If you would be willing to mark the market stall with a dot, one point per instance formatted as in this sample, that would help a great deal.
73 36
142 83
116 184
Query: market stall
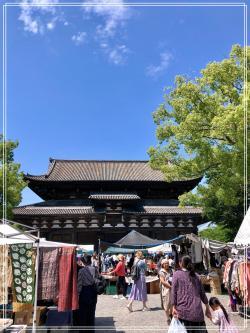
132 242
239 284
41 270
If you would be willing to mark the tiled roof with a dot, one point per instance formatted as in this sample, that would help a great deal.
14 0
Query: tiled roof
114 196
162 210
87 170
32 210
54 211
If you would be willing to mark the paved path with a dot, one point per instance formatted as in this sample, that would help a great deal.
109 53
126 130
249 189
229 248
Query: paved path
113 316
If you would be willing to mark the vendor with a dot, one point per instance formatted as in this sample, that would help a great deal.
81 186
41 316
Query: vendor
165 287
120 272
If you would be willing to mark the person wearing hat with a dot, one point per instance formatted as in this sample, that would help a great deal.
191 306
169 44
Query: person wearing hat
139 288
120 273
165 275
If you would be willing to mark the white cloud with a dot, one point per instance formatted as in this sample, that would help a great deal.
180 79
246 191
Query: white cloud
51 25
113 12
112 15
31 11
155 71
79 38
118 54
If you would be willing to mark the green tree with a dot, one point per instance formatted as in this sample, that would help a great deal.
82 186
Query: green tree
218 232
14 178
200 132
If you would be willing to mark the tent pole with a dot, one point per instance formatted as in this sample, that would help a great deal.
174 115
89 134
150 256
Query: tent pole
17 223
99 256
36 283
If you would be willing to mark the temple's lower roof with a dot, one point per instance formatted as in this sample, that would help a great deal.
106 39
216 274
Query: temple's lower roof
32 210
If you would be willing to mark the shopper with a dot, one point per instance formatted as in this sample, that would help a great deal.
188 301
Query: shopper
187 295
165 287
131 262
121 273
87 294
220 317
139 288
94 260
160 257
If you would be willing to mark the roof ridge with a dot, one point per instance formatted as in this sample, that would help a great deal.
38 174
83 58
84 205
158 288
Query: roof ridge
84 160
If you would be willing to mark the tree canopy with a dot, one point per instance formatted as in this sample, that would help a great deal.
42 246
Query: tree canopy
200 132
14 178
218 232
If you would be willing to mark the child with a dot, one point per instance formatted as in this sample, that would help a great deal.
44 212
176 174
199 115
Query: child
221 318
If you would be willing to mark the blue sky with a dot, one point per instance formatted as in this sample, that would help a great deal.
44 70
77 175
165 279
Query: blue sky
83 81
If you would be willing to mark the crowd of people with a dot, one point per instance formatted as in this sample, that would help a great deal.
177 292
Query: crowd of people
181 290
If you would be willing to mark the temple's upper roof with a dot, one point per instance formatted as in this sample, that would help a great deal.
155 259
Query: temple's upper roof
132 180
98 170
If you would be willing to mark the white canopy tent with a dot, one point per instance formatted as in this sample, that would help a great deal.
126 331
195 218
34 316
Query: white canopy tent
10 234
243 236
166 247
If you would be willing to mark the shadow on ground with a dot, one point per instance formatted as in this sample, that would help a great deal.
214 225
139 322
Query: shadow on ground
106 324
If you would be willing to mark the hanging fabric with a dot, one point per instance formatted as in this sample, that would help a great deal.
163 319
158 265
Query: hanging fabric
48 274
3 274
206 255
23 272
68 296
196 252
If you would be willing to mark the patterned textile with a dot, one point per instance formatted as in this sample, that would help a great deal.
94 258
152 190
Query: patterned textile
244 277
10 274
234 277
68 296
226 273
23 272
3 274
48 273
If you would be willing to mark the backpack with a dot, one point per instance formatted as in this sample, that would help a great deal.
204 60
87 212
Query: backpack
100 285
135 274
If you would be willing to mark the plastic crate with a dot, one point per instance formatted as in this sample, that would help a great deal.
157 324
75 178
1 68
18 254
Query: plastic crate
111 290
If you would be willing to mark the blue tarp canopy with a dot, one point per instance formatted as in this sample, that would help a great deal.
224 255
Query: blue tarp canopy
117 250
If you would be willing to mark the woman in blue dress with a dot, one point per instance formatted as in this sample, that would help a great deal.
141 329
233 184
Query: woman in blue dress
139 288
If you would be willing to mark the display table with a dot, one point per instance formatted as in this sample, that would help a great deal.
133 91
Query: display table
5 323
151 281
16 329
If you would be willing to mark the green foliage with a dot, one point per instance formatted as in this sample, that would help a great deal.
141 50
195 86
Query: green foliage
219 233
200 130
14 178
